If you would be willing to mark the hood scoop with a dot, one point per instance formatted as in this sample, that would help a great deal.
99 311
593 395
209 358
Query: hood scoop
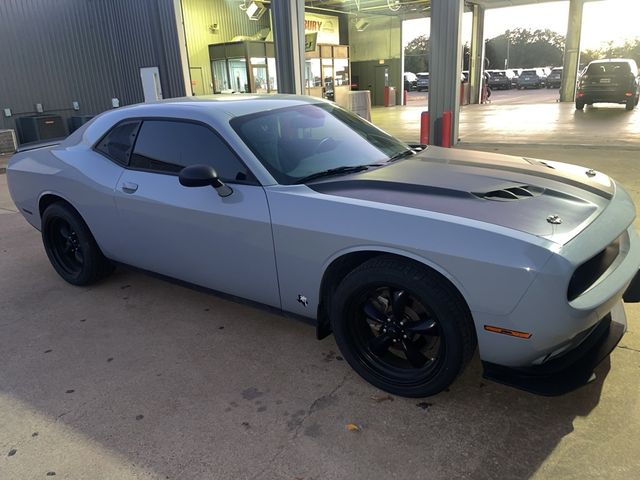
516 192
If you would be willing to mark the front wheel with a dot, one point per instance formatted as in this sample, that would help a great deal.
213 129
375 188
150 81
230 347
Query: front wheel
71 248
402 327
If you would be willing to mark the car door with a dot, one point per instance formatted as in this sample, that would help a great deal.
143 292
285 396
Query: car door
192 233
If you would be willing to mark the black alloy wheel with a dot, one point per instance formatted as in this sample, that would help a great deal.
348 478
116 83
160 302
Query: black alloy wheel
70 246
394 333
65 246
402 326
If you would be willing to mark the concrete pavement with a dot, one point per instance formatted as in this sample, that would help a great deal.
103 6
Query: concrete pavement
137 378
532 124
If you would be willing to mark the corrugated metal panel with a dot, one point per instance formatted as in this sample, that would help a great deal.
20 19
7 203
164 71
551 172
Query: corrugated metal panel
88 51
199 15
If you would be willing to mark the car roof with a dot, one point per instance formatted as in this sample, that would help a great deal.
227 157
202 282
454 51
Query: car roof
610 60
224 105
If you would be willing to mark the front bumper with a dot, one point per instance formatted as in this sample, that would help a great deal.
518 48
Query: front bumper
570 370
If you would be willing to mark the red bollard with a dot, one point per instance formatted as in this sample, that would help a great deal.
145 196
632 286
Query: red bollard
446 130
424 128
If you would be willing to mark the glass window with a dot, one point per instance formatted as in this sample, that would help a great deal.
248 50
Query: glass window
295 142
168 146
609 68
118 142
341 66
220 76
312 72
273 80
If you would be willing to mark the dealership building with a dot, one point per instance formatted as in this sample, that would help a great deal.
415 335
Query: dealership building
63 61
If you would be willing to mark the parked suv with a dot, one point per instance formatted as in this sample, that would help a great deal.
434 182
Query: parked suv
423 81
531 78
498 79
410 80
613 80
554 80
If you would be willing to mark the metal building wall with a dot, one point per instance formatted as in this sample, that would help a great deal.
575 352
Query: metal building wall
55 52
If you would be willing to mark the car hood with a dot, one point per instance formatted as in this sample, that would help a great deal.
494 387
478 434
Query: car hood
543 198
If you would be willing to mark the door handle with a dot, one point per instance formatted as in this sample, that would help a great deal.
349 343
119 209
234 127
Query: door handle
128 187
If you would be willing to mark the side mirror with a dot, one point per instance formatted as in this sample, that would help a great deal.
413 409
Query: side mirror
203 176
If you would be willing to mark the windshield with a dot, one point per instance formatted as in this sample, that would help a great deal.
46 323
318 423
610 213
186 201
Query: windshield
296 142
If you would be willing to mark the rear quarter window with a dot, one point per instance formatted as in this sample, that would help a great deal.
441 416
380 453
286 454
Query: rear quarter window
117 144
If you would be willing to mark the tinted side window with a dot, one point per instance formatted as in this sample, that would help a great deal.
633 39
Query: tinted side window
167 147
118 142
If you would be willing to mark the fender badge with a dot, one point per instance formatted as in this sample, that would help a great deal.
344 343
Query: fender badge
303 300
554 219
590 173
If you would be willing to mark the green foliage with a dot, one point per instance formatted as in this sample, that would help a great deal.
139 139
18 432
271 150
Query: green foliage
629 49
416 55
525 48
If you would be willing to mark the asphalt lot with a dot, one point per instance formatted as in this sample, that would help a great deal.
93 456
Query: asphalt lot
136 378
498 97
516 121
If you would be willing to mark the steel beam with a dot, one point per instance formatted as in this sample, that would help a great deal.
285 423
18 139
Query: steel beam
288 36
476 63
445 66
571 62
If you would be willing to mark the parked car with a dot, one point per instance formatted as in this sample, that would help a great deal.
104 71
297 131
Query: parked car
531 78
498 80
465 76
554 80
513 75
410 81
411 256
613 80
422 82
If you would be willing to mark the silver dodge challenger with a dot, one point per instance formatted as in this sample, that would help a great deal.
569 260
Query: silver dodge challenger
412 256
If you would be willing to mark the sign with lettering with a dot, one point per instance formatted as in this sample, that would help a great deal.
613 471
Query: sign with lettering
326 26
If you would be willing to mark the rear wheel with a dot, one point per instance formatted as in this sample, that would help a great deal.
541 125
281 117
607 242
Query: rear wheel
631 104
71 248
579 104
402 327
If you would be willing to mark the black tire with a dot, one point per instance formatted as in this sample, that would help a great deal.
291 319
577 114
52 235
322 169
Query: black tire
579 104
71 248
631 104
417 334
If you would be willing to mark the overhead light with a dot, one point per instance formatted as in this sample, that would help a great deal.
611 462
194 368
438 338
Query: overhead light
361 25
255 10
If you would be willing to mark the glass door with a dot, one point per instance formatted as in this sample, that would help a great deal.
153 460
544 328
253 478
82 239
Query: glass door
220 76
327 78
238 73
259 72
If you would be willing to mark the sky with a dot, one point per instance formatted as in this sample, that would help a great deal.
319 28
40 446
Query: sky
602 21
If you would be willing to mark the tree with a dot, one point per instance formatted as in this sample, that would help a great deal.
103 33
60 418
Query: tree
416 55
525 48
629 49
